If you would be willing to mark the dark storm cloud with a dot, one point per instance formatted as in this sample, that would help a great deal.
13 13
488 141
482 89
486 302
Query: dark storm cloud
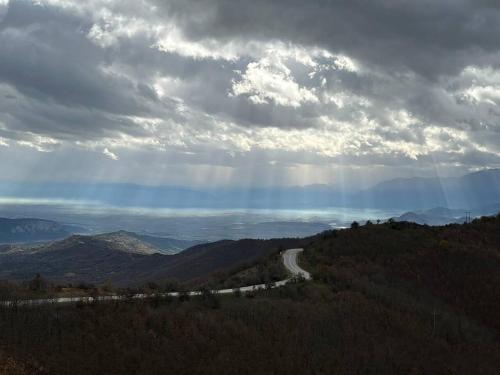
45 54
61 79
415 44
427 37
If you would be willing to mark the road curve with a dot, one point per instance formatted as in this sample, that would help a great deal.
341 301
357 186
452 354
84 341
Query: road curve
289 260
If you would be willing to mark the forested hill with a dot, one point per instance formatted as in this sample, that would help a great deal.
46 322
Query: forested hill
457 266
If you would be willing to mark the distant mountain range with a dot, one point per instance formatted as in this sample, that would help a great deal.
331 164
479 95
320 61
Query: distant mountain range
31 230
443 215
125 260
433 217
472 190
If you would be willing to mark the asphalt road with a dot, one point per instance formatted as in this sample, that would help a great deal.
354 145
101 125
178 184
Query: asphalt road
289 260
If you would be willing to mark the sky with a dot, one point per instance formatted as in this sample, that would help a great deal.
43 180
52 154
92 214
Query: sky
248 93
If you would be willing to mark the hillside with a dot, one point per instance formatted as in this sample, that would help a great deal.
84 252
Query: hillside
126 261
394 298
454 267
125 242
164 245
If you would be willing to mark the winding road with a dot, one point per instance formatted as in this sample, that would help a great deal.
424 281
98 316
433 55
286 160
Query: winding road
289 260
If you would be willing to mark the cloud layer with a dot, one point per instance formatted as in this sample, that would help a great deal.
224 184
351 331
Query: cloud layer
239 92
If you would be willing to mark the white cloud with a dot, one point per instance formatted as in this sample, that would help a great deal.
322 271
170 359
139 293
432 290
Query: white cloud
479 85
171 39
269 79
486 94
39 143
110 154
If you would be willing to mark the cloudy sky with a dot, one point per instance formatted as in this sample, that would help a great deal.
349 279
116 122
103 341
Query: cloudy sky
238 92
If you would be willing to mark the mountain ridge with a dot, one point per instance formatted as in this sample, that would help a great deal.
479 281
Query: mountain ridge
470 190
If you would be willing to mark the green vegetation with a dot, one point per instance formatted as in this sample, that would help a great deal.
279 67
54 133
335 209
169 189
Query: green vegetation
394 298
263 271
458 265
